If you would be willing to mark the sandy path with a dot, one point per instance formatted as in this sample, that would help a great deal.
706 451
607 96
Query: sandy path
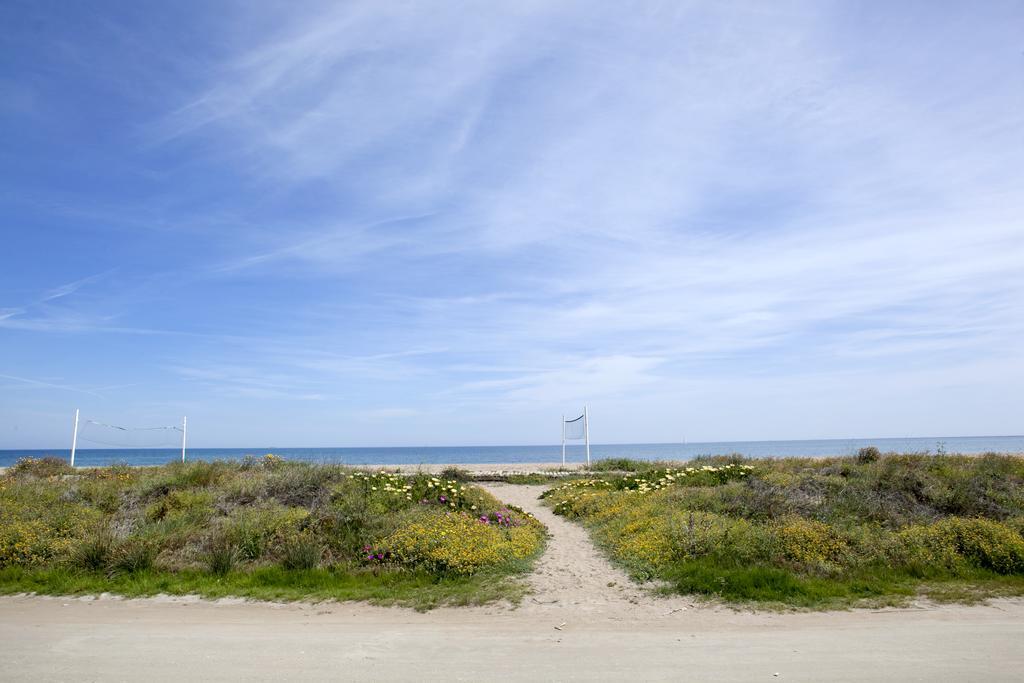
46 639
573 574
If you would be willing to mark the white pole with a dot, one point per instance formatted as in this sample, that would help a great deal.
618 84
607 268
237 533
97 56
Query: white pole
74 439
586 433
563 440
184 427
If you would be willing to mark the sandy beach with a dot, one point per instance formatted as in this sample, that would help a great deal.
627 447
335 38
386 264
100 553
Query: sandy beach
496 469
499 468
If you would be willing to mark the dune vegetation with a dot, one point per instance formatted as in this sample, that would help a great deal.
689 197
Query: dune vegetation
871 529
261 528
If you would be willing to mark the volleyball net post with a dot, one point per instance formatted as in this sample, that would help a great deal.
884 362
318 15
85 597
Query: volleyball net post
563 444
74 439
586 432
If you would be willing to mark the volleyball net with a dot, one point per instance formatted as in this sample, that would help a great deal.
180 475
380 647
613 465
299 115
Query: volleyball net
109 435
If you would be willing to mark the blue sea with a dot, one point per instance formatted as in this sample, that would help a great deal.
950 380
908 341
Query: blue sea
516 454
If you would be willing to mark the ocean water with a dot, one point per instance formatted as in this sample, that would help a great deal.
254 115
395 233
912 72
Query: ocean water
514 454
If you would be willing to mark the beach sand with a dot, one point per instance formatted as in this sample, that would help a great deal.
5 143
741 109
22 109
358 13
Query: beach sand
61 639
475 468
500 468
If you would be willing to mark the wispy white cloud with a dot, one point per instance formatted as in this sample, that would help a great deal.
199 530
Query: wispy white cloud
70 287
542 204
657 187
51 385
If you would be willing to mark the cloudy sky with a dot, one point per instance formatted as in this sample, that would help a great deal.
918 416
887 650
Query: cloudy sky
404 223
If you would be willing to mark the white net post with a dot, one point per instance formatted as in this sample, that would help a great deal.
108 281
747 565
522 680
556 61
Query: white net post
184 428
74 439
586 433
563 439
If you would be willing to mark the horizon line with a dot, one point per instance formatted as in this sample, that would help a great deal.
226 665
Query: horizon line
555 445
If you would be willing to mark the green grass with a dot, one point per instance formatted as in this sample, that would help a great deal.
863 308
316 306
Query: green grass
814 533
533 478
418 589
623 465
614 465
772 587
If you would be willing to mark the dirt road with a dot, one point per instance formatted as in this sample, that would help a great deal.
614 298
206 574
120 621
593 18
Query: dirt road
575 627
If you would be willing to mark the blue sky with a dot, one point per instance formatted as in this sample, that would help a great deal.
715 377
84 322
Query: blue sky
382 223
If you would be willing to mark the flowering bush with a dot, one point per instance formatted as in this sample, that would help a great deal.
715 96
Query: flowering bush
37 523
577 490
30 542
953 542
390 491
809 542
41 467
461 544
376 555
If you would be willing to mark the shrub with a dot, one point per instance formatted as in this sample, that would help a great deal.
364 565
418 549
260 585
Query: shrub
301 551
196 504
456 474
48 466
531 478
346 529
29 542
810 542
271 461
645 483
868 454
1017 524
460 544
199 474
133 555
951 543
619 465
985 543
245 489
252 529
93 553
300 485
698 534
221 555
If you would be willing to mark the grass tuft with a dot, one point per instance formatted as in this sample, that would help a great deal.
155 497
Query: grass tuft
93 553
221 556
302 551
